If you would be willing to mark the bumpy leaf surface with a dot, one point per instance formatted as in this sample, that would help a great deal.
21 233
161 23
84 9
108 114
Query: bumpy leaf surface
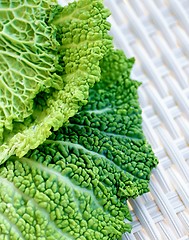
76 185
81 31
26 57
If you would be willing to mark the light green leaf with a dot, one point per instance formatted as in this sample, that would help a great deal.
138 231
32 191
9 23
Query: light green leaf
81 30
27 59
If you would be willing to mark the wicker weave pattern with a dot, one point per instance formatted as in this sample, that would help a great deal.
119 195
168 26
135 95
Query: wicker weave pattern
156 33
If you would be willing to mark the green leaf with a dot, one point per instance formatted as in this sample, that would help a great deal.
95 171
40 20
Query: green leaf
76 185
27 59
81 31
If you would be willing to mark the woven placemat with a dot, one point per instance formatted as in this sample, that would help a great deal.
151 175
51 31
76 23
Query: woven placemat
156 33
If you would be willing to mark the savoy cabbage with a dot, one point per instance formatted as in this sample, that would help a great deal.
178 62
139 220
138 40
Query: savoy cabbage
75 185
49 59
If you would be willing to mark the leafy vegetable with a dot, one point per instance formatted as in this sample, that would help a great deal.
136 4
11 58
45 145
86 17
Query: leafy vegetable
76 184
49 59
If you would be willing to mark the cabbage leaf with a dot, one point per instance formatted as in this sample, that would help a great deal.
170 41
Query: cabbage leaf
49 60
77 183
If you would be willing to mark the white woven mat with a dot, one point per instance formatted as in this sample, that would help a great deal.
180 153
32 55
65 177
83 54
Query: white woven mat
156 33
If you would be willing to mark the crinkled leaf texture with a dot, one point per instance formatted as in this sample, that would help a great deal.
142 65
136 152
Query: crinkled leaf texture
77 183
26 56
49 60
